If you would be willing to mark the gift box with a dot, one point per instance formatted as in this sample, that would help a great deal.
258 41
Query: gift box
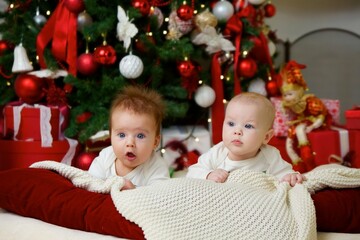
353 118
34 123
282 116
327 145
354 139
21 154
184 143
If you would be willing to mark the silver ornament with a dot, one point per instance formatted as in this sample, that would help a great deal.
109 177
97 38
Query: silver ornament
223 10
83 20
39 19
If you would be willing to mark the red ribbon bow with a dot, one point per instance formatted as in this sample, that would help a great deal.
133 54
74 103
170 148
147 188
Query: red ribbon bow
61 28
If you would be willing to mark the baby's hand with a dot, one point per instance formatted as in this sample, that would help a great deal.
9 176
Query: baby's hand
128 185
293 178
218 175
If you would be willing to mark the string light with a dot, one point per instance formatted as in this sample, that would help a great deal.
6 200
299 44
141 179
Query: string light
163 150
222 77
200 82
48 12
165 32
209 120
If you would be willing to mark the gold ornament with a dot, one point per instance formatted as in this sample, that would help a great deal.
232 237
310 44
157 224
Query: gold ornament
204 19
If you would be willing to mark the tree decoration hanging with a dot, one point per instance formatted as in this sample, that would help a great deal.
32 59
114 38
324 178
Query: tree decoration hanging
21 60
223 10
39 19
204 96
270 10
105 54
142 5
131 66
204 19
177 27
75 6
125 29
185 12
214 42
83 20
30 88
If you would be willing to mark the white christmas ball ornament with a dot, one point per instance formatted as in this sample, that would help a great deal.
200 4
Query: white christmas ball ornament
131 66
256 2
258 86
204 96
223 10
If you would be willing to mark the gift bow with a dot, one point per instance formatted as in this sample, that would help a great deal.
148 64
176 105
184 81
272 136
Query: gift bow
61 28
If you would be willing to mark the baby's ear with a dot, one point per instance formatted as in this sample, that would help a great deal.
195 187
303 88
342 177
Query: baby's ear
268 136
157 141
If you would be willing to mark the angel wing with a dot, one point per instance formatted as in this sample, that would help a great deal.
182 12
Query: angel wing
125 29
215 42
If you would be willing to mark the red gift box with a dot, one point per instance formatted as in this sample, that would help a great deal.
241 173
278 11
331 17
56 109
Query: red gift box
30 124
354 139
324 143
21 154
353 118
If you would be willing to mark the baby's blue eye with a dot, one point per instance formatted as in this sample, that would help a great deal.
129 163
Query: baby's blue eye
231 124
249 126
141 135
121 135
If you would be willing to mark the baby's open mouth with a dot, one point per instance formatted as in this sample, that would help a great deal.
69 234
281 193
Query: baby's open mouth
130 155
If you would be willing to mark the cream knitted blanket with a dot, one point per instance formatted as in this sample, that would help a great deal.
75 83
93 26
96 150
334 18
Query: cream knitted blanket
250 205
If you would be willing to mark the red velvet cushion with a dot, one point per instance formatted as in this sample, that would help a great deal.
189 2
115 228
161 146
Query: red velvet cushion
46 195
338 210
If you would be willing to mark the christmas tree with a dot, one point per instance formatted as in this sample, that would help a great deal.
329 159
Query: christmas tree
79 53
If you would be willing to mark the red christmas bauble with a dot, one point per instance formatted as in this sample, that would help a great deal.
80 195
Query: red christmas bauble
270 10
84 160
83 117
105 55
247 68
29 88
86 64
272 88
5 46
186 68
75 6
142 5
185 12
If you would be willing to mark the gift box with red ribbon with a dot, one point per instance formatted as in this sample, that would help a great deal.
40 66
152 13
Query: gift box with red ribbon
34 122
328 146
282 116
21 154
353 118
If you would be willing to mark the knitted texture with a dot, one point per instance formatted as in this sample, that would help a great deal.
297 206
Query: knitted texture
250 205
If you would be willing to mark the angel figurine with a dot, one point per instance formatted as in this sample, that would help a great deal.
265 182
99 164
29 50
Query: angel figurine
309 111
125 28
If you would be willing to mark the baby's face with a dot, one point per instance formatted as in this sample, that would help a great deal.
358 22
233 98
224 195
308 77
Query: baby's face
133 137
245 129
